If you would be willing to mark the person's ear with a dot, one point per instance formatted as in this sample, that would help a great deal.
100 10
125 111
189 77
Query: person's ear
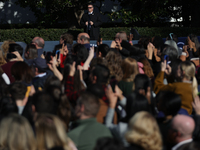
82 41
33 108
99 54
36 69
94 79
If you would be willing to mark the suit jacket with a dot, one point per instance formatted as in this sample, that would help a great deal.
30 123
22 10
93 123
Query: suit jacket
95 28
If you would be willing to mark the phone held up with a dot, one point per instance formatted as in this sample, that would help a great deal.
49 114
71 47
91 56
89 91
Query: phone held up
166 57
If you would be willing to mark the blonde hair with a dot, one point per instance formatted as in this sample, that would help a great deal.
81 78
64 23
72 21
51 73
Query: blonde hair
2 59
16 133
189 73
144 131
50 132
130 69
5 47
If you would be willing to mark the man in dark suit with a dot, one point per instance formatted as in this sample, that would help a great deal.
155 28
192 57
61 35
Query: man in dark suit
91 22
182 128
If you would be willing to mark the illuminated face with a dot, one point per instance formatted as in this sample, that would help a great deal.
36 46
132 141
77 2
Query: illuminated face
90 8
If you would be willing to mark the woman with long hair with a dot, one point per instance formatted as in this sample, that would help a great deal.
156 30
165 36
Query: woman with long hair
50 133
147 68
143 132
114 60
186 88
23 73
2 59
16 133
130 70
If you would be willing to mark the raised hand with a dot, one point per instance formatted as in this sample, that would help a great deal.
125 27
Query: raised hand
112 97
196 105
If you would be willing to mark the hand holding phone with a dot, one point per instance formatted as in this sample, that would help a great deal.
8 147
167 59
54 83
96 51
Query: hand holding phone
166 57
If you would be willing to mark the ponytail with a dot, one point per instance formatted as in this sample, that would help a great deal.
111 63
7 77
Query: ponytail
194 86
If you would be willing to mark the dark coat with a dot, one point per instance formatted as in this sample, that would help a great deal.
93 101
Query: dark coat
95 28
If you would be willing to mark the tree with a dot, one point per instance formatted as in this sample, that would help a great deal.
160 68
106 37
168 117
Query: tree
151 12
50 12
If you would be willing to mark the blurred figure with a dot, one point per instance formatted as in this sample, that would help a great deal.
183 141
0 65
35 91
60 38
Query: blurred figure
143 127
50 133
16 133
39 43
87 130
91 22
182 128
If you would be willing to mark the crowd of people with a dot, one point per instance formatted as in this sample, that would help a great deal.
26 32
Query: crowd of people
120 96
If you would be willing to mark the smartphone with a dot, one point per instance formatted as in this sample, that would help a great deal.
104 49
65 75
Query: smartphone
48 57
11 56
58 54
166 57
65 42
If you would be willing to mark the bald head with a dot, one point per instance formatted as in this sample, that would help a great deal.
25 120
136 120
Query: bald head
183 124
123 35
83 38
38 42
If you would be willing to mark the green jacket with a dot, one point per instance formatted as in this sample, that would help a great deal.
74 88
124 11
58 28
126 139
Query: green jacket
86 134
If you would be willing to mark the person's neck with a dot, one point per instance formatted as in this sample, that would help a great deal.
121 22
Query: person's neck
19 102
83 117
186 80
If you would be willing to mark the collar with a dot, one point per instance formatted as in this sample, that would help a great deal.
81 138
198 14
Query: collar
87 46
181 143
90 13
41 75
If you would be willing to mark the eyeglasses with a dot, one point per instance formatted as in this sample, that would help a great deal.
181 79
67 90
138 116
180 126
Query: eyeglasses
90 7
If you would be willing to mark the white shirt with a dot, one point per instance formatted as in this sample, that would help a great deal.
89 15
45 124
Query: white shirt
41 75
181 143
6 79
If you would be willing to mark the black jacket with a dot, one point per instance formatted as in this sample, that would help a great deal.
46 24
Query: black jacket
95 28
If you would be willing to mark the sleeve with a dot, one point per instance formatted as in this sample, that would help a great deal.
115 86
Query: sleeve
109 118
69 89
124 52
98 21
123 102
112 127
159 85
